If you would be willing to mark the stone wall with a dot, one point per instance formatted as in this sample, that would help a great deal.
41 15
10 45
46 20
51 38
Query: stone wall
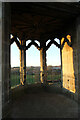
5 59
0 60
78 47
70 66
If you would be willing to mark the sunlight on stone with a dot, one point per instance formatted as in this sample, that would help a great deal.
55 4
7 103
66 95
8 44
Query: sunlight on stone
11 36
67 66
68 37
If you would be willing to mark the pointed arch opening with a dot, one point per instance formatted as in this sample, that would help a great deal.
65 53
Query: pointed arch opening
37 42
32 65
54 63
15 66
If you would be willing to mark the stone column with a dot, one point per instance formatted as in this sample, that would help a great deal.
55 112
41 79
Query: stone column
61 62
43 65
23 63
4 59
67 67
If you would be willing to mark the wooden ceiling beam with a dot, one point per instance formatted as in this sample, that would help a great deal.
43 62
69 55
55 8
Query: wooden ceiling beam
39 7
42 20
43 9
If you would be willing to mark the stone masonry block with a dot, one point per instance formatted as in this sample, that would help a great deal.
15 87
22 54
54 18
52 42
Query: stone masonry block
0 60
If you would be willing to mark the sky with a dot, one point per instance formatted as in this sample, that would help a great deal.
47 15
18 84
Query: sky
33 55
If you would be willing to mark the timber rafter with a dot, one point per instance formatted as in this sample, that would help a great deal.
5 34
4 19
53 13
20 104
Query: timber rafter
42 20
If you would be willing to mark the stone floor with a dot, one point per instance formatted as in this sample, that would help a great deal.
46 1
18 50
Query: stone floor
35 101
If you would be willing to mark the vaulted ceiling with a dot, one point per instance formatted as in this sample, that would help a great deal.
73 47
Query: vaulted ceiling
42 21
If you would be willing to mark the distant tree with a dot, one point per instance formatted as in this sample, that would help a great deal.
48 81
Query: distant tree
49 67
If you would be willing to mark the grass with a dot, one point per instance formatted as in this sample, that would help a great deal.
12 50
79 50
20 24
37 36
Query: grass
31 79
15 80
53 77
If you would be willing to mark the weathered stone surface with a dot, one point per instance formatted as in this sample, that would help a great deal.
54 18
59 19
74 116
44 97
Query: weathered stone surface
78 46
0 60
71 61
43 65
5 59
22 63
67 68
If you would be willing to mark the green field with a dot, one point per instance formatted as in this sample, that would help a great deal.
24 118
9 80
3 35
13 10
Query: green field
15 80
31 79
53 77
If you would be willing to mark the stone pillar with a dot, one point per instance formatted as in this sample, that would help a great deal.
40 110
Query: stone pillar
4 59
67 67
61 63
43 65
22 63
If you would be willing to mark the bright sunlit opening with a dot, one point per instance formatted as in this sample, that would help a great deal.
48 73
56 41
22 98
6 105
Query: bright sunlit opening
15 56
37 42
47 42
11 36
53 56
27 42
57 40
32 56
